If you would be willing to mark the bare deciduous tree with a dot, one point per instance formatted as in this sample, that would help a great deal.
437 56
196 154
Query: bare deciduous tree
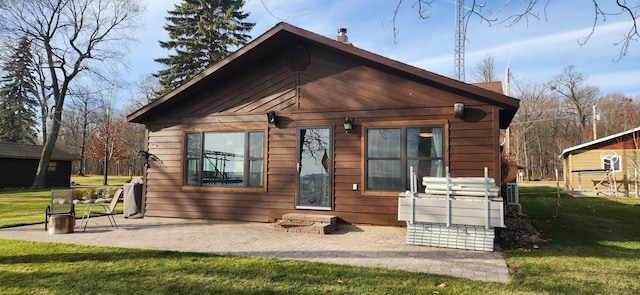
617 113
525 126
72 35
485 70
559 114
148 88
80 116
580 98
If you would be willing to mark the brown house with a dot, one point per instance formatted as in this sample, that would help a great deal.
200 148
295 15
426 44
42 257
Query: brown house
19 163
297 122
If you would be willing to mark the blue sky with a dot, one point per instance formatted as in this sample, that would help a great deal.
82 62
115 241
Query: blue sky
535 50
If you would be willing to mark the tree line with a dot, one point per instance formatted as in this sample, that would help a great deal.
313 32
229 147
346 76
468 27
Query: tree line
561 113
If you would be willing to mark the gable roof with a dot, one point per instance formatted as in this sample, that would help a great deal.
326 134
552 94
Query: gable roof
285 35
14 150
566 151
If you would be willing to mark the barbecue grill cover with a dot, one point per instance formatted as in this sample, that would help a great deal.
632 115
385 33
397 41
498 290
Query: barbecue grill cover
133 197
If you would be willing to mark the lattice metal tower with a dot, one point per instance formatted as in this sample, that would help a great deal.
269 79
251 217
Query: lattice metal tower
460 37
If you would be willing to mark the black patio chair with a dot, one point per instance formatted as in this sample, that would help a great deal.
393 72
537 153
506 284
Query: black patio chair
61 204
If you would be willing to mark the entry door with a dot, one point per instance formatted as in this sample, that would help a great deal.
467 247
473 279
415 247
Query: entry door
314 165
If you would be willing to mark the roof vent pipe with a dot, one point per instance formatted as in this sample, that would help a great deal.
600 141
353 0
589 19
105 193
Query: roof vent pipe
342 35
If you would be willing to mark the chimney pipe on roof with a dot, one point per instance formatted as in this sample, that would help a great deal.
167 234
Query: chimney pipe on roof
342 35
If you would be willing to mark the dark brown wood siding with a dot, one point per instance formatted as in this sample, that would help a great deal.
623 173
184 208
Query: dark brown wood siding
15 173
331 88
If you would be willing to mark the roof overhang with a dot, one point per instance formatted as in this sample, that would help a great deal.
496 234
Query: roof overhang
567 151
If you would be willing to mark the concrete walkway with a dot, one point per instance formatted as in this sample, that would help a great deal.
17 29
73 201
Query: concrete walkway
370 246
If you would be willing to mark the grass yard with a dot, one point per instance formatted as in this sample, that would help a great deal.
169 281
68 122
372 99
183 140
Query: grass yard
23 207
98 180
41 268
27 206
593 247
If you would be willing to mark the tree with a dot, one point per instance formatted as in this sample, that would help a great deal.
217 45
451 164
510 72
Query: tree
80 116
106 142
526 125
17 97
617 113
73 36
202 32
549 121
148 88
44 95
579 98
485 70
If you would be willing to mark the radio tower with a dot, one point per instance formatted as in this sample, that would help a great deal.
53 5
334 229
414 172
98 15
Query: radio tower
458 58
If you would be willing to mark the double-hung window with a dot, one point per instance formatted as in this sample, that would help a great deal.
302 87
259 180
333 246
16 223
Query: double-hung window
224 159
390 152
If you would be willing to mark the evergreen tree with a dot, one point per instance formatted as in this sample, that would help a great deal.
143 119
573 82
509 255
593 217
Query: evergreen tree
201 32
18 97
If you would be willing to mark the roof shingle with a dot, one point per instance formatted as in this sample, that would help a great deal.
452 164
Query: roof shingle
31 151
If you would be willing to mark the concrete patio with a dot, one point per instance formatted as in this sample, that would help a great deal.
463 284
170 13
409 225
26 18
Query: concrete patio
369 246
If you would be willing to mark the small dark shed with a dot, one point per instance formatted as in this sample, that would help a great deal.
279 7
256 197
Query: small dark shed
19 162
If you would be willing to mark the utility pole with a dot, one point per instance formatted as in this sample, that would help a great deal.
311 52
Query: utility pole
460 38
507 135
595 118
106 146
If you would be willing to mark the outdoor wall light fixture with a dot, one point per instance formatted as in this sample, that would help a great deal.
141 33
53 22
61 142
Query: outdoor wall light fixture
272 119
348 124
458 110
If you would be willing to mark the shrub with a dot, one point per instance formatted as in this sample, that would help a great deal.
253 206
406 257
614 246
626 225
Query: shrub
91 192
77 194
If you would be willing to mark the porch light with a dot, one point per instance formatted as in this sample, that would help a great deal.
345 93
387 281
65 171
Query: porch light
458 110
272 119
348 124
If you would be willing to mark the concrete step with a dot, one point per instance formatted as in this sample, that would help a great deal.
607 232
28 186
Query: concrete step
307 223
310 217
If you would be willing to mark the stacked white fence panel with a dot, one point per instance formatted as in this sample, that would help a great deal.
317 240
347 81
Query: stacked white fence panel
463 211
456 213
465 237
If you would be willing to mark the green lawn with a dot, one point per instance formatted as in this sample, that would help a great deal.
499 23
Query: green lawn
594 245
98 180
593 248
28 206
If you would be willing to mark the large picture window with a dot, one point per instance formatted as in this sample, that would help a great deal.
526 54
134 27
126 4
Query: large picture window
224 159
390 152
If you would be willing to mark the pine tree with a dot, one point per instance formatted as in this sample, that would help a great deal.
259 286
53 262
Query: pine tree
18 97
202 32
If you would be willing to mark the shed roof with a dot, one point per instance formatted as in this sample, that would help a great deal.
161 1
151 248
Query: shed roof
14 150
589 144
284 35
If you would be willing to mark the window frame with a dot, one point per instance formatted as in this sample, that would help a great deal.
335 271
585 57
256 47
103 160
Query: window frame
53 166
403 125
614 163
247 159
